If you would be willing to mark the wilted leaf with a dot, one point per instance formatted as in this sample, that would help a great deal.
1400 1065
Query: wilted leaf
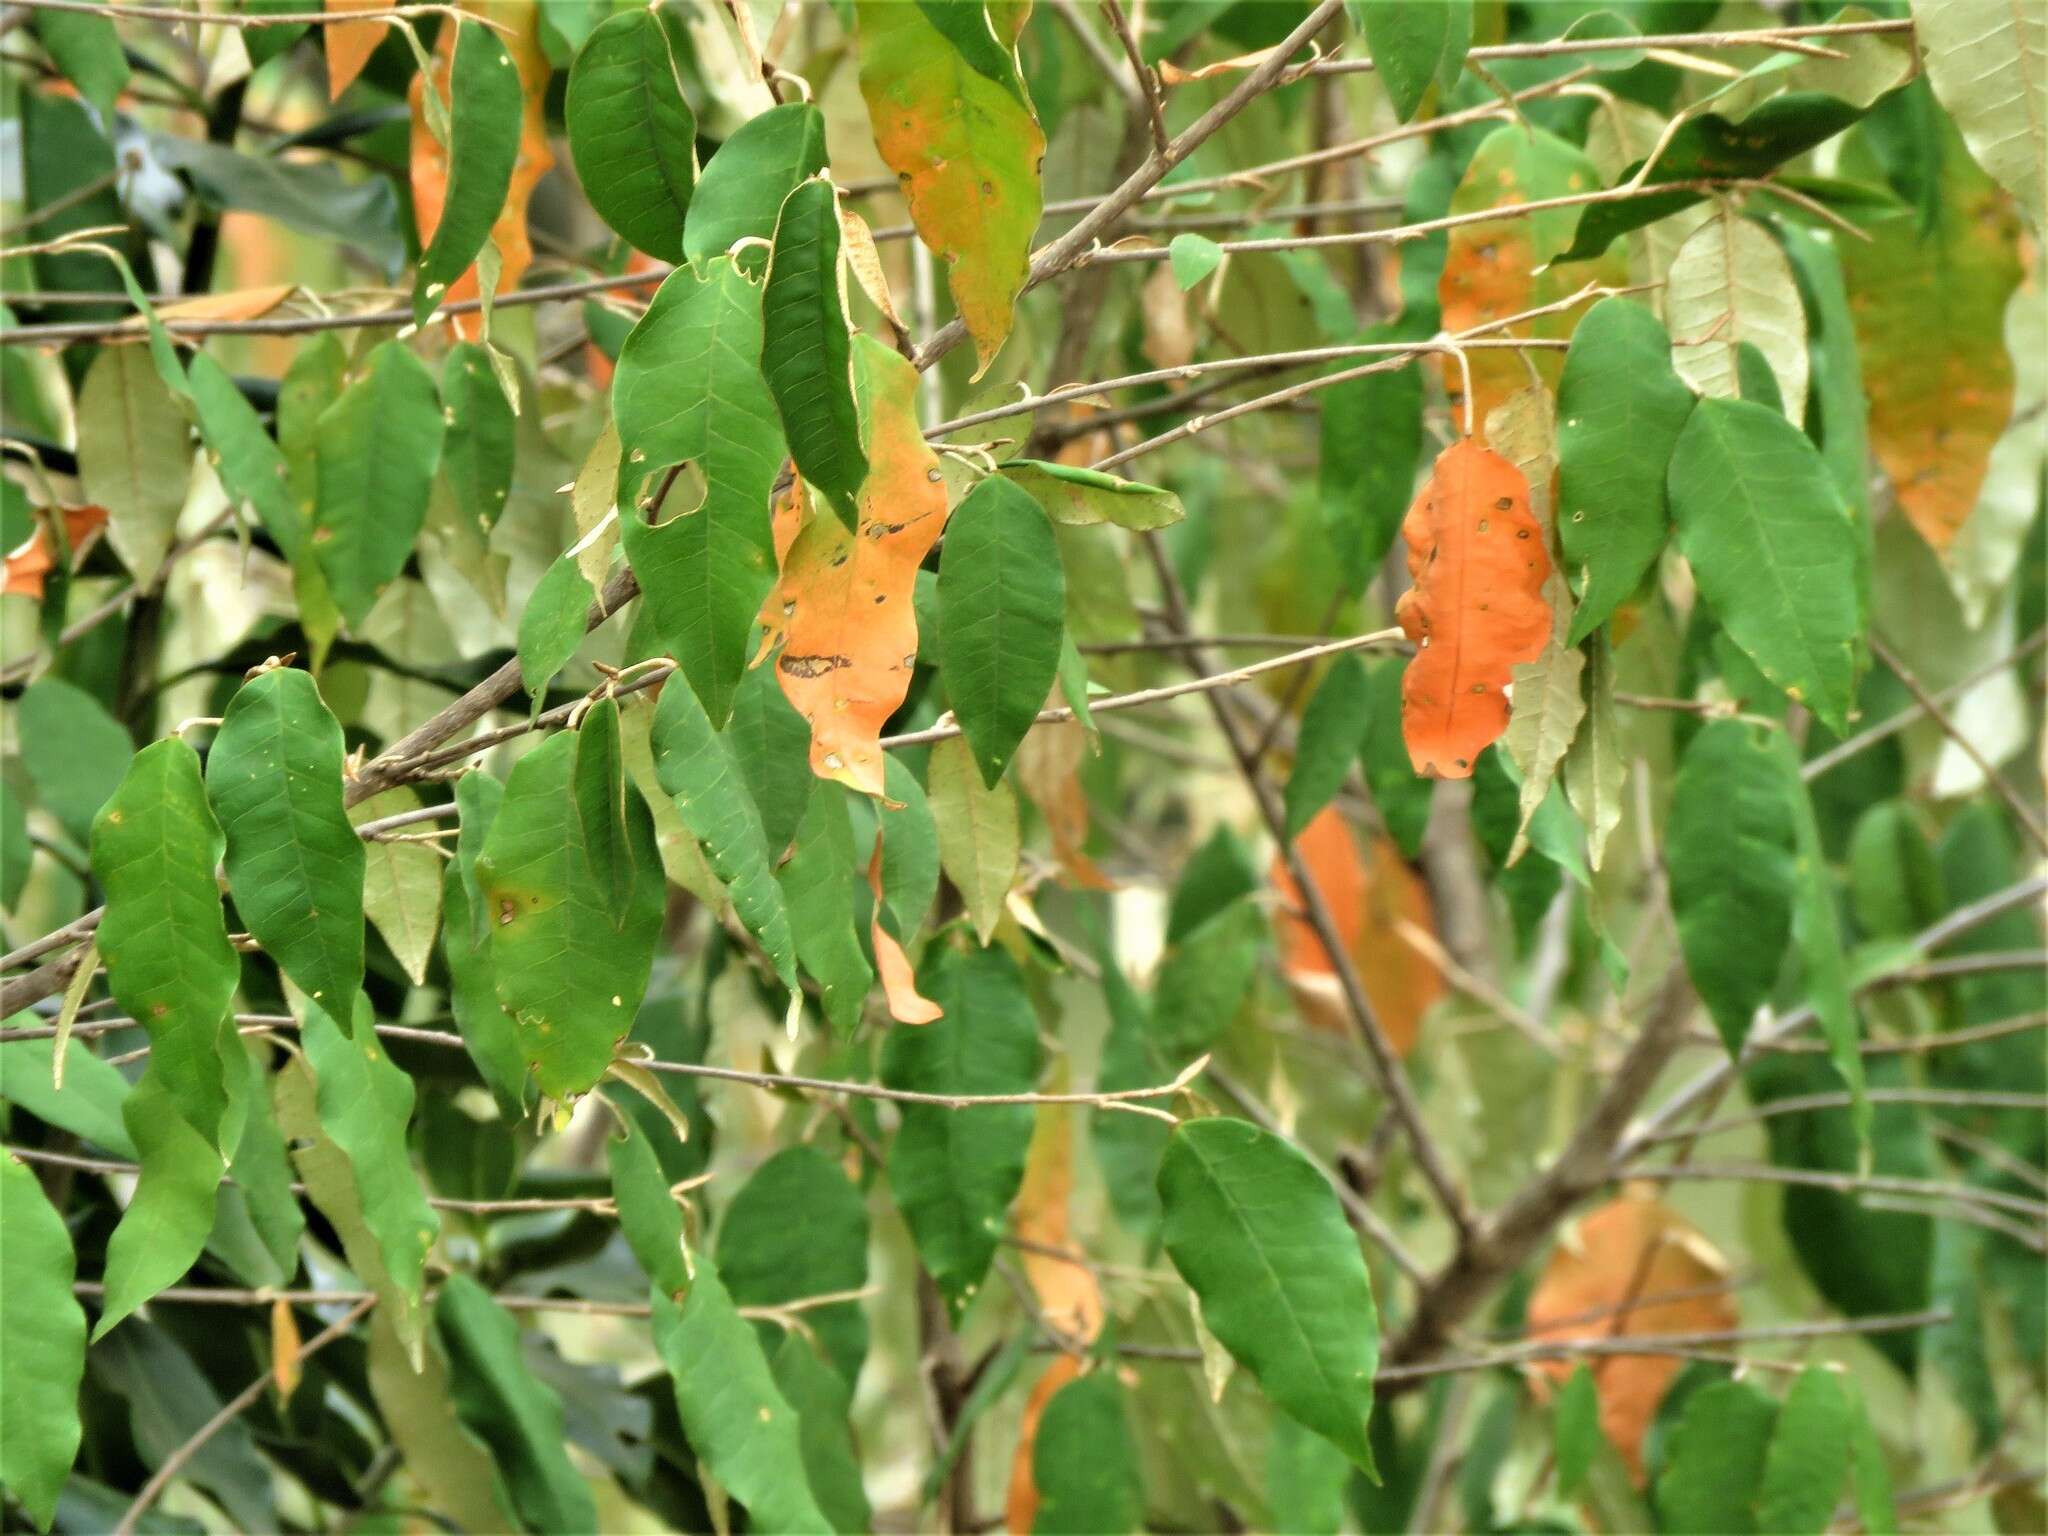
1730 283
1476 611
350 43
1068 1296
977 827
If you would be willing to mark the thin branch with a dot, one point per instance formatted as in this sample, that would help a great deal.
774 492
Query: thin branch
1841 752
1848 1184
1952 1098
1786 39
1147 77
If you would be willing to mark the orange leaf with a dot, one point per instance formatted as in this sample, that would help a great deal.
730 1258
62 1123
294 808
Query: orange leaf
241 304
1370 897
841 612
1067 1293
350 43
30 562
899 979
520 22
284 1349
1476 611
1631 1267
1020 1511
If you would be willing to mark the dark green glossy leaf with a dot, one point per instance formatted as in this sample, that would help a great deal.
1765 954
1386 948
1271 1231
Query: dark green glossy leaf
1002 606
807 353
164 937
744 184
1370 441
483 437
1257 1232
485 106
294 864
1620 408
378 447
955 1173
631 132
42 1335
689 387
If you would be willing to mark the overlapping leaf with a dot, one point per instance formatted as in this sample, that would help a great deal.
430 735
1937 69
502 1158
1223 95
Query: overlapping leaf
806 352
483 143
1730 283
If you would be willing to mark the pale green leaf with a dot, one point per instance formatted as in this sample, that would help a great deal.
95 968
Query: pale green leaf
42 1337
134 455
1730 283
401 884
1988 62
978 836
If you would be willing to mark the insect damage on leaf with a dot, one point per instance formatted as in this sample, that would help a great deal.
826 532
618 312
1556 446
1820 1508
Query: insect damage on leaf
1476 611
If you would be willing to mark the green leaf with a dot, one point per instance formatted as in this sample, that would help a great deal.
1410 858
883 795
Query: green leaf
294 864
744 184
1128 1147
164 936
1870 1477
482 444
1306 1477
365 1101
377 448
771 743
817 882
1728 285
161 1233
954 1173
486 103
134 456
978 836
1711 1478
1193 257
250 465
1773 548
1332 735
1370 441
1402 795
1578 1429
603 800
89 1103
768 1260
75 752
696 767
743 1431
910 847
511 1410
312 197
689 387
1416 44
1075 497
831 1459
42 1336
649 1216
88 50
1084 1461
1258 1234
1620 409
570 976
1730 851
401 885
260 1171
1808 1456
552 626
488 1033
417 1401
633 136
1988 63
1204 979
806 352
1002 605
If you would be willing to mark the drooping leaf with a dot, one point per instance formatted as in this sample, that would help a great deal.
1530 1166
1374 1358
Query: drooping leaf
977 828
1333 731
806 352
510 1409
954 1174
842 614
1076 497
958 131
1772 547
483 143
1002 607
1713 1473
697 768
1416 44
1928 298
164 937
1477 555
294 864
379 444
1620 409
1490 272
744 184
1988 62
1257 1232
569 975
767 1260
632 133
162 1231
134 456
1020 1507
1631 1266
689 387
746 1434
1730 848
401 885
1370 443
42 1335
481 447
771 744
1084 1461
1730 283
